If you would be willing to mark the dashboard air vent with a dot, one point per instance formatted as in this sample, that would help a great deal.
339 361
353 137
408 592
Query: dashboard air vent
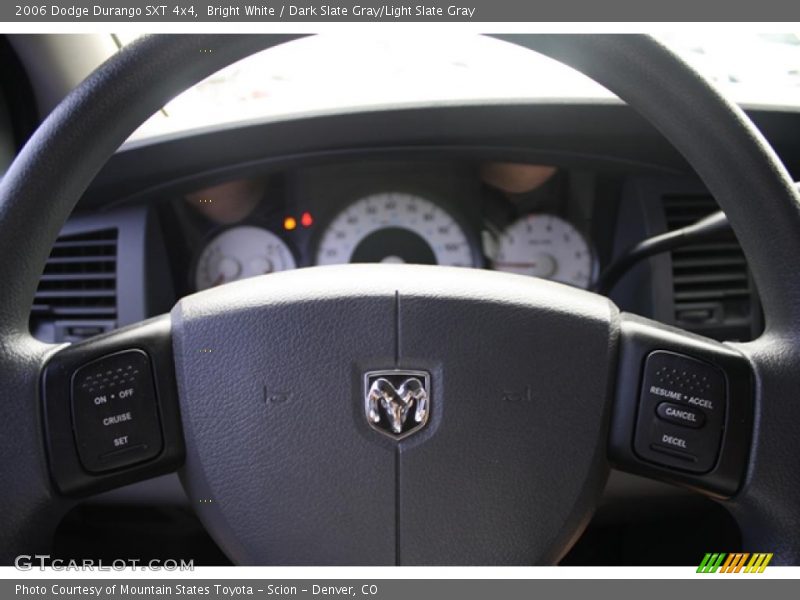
77 294
712 289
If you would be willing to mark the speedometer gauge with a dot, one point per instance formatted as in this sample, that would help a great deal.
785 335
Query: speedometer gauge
239 253
546 246
395 228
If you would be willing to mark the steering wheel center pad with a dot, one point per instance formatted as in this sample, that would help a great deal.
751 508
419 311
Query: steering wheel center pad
507 469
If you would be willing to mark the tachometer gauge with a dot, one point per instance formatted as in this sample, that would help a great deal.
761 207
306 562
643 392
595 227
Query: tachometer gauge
395 228
239 253
546 246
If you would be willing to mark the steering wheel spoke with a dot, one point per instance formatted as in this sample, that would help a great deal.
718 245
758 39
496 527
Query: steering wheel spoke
111 411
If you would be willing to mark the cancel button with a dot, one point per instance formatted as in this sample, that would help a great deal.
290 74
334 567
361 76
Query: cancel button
680 415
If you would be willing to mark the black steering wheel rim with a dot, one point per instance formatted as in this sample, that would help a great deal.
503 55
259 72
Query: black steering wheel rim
715 136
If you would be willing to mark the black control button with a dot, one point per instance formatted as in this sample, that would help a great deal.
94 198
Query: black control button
115 412
682 406
674 452
680 415
677 441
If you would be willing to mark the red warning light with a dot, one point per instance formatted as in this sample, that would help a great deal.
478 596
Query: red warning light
306 220
289 223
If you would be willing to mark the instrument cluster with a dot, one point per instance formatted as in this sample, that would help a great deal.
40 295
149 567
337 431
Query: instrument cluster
485 223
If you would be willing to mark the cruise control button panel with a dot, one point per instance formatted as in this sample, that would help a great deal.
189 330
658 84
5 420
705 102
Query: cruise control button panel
115 412
681 415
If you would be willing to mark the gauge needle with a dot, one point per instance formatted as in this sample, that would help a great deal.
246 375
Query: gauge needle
516 265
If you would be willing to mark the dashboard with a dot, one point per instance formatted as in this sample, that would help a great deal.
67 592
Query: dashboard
520 218
551 191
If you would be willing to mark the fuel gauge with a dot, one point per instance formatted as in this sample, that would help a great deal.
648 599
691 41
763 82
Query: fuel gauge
546 246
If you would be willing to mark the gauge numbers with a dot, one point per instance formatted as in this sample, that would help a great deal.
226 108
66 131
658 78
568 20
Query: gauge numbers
239 253
546 246
394 227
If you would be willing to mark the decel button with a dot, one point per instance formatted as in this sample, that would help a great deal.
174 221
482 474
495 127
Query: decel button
680 415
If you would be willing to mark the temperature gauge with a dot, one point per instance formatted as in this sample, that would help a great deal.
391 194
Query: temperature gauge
239 253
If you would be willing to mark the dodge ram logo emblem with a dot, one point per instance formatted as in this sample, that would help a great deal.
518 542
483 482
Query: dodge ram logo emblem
396 403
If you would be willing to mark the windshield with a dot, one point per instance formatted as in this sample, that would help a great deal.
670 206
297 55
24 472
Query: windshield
336 73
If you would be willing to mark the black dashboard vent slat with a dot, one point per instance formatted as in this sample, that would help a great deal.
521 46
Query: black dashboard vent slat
711 283
78 289
68 260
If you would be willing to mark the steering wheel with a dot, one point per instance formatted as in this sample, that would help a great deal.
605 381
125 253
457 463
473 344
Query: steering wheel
395 414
